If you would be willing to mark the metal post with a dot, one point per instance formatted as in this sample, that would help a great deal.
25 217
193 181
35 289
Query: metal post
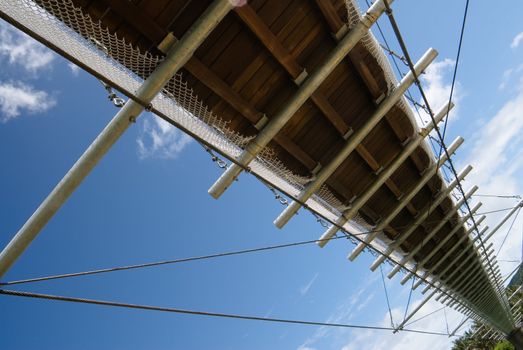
306 89
459 326
433 232
505 218
428 174
468 268
457 269
447 254
423 215
383 176
460 224
176 57
355 139
413 312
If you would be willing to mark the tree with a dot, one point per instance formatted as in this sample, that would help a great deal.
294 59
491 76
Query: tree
504 345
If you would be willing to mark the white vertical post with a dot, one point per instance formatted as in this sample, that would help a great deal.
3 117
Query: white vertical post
176 57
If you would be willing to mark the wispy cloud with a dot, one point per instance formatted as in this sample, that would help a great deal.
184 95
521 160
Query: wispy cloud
305 289
16 97
516 41
437 84
75 70
23 51
376 340
496 154
345 311
160 139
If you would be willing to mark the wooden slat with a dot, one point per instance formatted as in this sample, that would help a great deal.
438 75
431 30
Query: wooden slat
271 42
219 87
335 23
263 32
331 16
132 14
201 72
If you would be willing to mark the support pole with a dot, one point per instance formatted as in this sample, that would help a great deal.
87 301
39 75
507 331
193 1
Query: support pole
459 326
450 251
176 57
469 267
505 218
445 240
428 174
432 232
355 139
424 214
413 312
306 89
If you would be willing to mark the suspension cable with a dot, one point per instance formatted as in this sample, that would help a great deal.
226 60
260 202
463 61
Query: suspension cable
425 316
495 211
387 298
508 232
202 313
175 261
438 132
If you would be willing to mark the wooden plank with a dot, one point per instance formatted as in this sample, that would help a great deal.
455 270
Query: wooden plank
141 21
269 40
335 23
219 87
298 153
329 13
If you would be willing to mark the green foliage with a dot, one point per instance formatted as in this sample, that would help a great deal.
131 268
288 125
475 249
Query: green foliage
504 345
472 340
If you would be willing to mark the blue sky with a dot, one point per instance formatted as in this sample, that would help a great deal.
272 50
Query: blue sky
147 200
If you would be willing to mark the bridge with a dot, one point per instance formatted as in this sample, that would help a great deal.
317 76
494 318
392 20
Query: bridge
301 95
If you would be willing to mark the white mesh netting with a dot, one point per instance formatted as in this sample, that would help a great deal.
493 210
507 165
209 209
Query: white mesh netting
73 33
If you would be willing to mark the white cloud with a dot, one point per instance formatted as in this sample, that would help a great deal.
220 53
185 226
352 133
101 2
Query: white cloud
516 41
437 85
345 311
160 139
17 97
75 70
375 340
508 74
305 288
497 156
22 50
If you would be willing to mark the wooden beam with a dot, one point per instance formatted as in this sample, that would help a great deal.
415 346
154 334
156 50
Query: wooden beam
139 20
200 71
263 32
259 28
233 98
336 24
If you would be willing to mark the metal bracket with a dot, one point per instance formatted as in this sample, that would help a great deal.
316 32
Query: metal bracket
348 134
341 32
262 122
406 141
380 98
316 169
167 42
300 78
